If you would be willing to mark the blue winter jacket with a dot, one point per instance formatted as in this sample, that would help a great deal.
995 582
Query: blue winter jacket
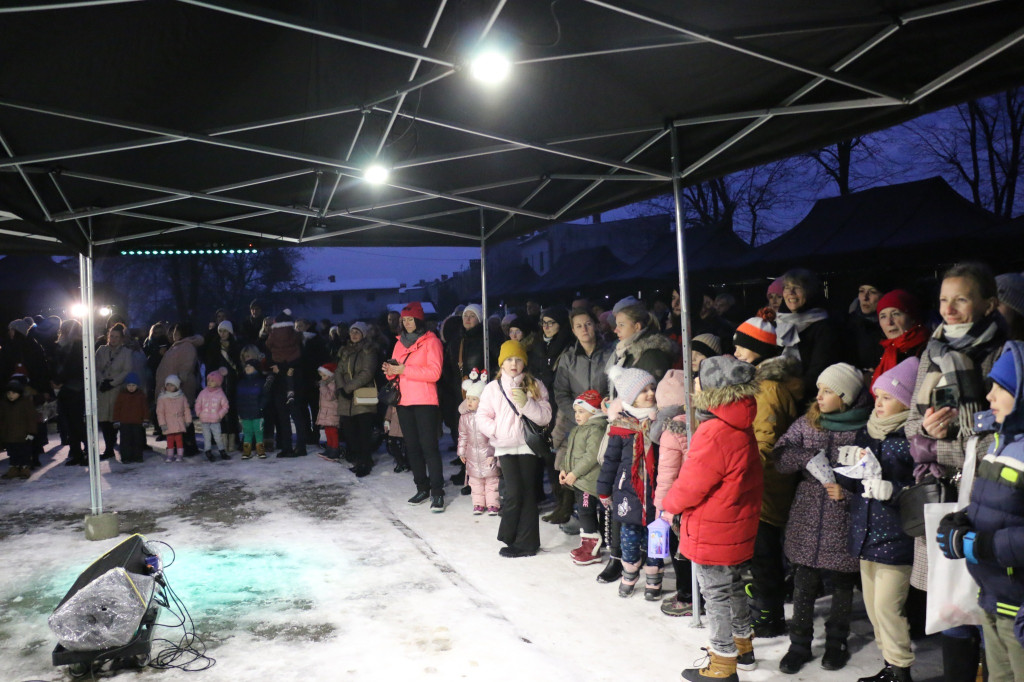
614 480
997 506
251 395
876 533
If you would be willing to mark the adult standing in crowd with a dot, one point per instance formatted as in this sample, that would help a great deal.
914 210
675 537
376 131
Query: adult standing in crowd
113 362
1010 287
899 318
357 364
223 351
154 346
862 325
806 332
580 368
182 359
253 325
416 361
640 346
958 358
69 385
543 362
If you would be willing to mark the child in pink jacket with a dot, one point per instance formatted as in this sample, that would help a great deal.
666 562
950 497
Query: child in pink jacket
173 415
327 417
211 407
475 450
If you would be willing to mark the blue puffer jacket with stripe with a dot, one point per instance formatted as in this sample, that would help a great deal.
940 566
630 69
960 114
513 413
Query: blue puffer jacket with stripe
997 505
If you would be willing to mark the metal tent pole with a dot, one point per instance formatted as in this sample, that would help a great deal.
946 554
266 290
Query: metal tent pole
684 318
483 292
89 365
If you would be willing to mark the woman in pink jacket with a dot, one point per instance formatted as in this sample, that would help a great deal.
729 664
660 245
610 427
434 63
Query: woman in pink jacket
416 361
512 395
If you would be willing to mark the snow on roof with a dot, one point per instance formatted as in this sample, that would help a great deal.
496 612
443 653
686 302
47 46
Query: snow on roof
361 284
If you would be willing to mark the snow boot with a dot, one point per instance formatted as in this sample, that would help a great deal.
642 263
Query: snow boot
246 450
563 511
589 551
653 579
718 668
745 653
261 450
612 571
836 655
224 455
179 455
210 456
630 577
960 658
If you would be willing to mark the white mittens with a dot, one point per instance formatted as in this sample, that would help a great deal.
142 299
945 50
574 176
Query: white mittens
849 455
877 489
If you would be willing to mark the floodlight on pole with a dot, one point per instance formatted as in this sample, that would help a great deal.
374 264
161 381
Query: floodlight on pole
376 173
490 67
105 311
78 310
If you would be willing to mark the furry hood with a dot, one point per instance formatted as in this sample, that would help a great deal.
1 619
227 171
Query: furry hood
716 397
650 339
778 369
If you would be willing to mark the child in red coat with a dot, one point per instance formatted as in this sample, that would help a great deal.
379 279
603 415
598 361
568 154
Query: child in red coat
718 492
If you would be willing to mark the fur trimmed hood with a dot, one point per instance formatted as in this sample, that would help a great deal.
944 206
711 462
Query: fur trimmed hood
717 397
779 369
651 340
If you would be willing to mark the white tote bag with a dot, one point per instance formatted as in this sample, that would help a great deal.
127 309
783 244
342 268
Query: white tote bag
952 592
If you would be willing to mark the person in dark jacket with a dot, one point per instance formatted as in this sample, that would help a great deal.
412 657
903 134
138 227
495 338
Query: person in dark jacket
69 386
862 328
555 337
222 351
252 396
886 553
17 429
806 332
990 532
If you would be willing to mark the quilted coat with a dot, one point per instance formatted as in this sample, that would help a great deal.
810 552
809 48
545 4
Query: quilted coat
718 490
172 412
328 414
474 447
422 360
581 453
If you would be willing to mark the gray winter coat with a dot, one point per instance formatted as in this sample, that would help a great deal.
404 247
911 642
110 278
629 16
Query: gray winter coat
576 373
357 363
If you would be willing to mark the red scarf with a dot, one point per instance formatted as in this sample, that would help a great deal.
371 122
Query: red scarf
907 342
643 455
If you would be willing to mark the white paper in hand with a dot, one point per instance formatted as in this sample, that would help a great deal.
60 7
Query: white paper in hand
820 468
866 468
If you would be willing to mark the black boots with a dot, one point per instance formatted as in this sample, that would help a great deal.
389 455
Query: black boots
562 512
612 571
960 657
889 673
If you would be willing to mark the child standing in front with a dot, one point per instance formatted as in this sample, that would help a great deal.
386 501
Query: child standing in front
252 395
17 429
990 532
130 411
718 493
626 482
211 406
886 553
327 416
819 518
580 469
475 450
174 415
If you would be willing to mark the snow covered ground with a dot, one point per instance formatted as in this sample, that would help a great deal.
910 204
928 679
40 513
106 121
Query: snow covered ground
294 569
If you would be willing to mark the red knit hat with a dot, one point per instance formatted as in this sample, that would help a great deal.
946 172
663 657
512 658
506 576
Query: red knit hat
901 300
414 310
589 401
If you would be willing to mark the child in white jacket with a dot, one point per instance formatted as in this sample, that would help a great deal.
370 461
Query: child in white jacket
475 450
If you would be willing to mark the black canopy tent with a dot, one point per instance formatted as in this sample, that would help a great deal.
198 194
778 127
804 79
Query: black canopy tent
197 123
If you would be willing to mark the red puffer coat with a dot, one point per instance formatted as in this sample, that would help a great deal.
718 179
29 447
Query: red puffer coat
719 487
422 360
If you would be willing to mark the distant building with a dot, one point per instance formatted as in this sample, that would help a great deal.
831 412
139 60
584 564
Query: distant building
343 300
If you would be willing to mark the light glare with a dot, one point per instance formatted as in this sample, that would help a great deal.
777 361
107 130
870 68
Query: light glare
376 174
78 310
490 67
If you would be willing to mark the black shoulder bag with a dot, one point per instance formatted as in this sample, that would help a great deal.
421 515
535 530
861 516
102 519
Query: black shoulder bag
535 435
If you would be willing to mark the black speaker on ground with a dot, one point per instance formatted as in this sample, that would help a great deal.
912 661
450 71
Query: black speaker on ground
129 555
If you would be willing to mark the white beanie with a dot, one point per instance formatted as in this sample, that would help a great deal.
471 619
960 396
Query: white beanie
173 379
629 382
226 324
844 380
476 310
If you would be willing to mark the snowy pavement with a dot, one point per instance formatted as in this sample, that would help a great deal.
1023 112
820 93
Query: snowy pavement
293 569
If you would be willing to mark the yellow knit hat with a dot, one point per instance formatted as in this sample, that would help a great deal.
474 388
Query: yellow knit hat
511 349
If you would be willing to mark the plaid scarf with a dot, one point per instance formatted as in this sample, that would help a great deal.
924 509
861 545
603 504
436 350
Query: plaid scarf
954 362
643 469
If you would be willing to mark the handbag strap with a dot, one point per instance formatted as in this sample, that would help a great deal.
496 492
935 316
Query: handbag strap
510 403
968 471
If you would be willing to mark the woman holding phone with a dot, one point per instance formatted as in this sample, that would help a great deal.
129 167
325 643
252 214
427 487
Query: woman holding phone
951 386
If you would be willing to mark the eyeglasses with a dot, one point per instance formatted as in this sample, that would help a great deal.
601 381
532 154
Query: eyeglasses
549 323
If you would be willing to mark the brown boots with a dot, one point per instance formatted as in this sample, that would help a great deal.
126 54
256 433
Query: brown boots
246 450
261 450
718 668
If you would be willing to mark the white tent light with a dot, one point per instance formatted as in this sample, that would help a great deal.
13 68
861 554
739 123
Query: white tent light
490 67
78 310
376 174
105 311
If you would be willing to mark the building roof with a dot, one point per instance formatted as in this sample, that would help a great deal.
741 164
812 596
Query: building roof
364 284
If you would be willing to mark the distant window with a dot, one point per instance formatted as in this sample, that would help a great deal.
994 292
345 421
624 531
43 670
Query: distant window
337 304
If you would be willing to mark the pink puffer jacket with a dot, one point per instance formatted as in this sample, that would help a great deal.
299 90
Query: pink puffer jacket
172 412
211 405
328 414
474 447
499 422
422 361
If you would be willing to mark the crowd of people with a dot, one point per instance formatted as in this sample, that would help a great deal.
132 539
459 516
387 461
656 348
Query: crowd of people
784 484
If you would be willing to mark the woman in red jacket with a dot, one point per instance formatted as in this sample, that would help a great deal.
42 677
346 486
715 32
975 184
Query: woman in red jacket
416 361
718 492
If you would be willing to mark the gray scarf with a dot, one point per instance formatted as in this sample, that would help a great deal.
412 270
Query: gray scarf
789 325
